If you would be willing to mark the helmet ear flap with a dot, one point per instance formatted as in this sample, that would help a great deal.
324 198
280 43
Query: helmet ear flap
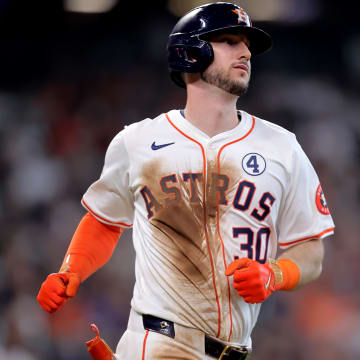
192 55
186 54
189 59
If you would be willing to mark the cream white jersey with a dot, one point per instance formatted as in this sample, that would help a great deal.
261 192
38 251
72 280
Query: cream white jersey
196 203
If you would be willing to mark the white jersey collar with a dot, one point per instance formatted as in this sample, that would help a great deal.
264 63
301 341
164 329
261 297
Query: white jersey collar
189 129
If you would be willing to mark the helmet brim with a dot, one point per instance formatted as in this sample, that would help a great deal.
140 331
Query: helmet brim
260 41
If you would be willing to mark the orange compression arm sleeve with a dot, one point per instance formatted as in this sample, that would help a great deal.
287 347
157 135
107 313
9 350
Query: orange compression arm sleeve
91 247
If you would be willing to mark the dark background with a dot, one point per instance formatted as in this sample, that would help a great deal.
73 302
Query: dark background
70 81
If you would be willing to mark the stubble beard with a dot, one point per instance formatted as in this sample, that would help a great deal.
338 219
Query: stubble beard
220 79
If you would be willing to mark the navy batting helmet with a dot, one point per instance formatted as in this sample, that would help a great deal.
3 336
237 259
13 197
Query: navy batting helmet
188 50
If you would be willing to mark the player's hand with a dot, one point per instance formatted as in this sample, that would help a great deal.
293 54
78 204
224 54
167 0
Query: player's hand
57 289
253 281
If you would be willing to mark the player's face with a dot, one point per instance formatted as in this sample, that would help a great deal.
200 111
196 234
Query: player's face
230 70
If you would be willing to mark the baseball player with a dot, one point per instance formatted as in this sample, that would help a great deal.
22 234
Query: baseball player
211 193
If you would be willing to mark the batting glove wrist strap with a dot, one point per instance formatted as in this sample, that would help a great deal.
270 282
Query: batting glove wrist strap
278 274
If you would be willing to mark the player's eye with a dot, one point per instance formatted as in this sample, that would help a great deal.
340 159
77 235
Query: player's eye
230 41
227 39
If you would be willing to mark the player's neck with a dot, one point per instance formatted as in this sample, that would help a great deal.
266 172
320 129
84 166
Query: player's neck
213 112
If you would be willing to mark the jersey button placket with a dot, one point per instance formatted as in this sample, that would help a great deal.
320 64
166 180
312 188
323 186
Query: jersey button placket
211 223
213 153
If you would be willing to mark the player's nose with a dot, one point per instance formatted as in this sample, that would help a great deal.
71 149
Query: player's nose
243 51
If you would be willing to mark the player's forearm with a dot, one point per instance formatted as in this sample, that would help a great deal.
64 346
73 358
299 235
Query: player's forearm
91 247
308 256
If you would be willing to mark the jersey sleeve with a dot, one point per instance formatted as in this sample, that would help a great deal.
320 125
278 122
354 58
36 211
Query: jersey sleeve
109 198
304 214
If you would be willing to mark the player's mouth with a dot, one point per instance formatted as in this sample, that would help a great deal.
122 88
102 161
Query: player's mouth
241 66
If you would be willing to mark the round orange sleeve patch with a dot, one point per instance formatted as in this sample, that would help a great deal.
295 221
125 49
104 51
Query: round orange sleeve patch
321 201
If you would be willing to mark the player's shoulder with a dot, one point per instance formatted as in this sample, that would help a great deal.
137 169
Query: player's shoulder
139 127
272 128
134 134
273 132
286 141
144 125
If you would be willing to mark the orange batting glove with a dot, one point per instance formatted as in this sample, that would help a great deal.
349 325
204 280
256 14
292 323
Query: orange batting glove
255 282
57 289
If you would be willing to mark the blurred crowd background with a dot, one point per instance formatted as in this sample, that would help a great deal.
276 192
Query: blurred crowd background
74 72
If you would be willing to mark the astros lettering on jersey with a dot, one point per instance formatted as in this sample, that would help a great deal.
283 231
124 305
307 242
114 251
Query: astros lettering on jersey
197 203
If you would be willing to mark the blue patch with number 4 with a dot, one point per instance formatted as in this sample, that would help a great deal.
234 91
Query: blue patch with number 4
253 164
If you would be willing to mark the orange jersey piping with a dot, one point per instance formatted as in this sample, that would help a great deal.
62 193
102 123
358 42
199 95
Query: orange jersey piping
308 238
144 344
204 212
237 140
103 219
218 220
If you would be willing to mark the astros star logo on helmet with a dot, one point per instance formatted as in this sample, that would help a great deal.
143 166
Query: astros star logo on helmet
242 16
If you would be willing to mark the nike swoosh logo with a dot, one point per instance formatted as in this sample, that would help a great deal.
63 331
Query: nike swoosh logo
157 147
268 282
